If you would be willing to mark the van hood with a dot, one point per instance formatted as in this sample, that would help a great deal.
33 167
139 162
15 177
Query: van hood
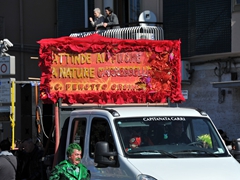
220 168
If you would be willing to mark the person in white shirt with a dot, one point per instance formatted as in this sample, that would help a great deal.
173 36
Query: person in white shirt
98 21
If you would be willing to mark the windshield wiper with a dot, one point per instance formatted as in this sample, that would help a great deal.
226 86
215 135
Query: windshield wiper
167 153
198 150
156 151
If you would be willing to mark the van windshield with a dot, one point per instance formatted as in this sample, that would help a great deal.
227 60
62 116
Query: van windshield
169 137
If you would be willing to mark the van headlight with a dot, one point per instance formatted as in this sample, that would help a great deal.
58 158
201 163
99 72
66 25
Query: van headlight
145 177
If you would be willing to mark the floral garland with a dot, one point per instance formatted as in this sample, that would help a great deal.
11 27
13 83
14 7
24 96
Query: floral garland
163 82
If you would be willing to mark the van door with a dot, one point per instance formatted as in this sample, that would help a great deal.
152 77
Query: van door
99 129
87 131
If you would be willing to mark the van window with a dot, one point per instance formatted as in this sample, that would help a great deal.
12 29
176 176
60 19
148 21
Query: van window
201 131
78 132
100 131
168 137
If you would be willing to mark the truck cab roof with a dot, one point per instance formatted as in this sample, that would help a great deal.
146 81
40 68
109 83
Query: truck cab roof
142 111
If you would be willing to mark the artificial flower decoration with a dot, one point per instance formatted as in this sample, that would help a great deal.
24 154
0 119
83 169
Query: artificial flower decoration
101 70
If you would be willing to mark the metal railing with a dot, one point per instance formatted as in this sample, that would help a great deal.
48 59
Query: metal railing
136 32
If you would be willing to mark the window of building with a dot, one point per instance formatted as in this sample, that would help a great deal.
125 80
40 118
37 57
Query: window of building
127 11
235 5
134 10
2 27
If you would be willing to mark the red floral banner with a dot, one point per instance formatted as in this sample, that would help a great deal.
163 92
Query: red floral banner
96 69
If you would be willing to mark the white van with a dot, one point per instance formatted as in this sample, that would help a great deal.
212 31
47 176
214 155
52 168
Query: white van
107 137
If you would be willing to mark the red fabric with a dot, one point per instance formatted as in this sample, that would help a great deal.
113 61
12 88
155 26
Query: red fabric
164 81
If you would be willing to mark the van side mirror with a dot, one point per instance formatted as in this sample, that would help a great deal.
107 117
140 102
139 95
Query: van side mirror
237 144
103 157
236 149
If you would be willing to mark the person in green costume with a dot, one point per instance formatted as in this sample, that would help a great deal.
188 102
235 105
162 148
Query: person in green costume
72 168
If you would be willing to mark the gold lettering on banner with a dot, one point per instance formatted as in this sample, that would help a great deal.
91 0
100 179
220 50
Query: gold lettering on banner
76 73
92 72
96 87
72 59
100 58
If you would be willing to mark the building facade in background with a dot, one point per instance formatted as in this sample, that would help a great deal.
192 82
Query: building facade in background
208 30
